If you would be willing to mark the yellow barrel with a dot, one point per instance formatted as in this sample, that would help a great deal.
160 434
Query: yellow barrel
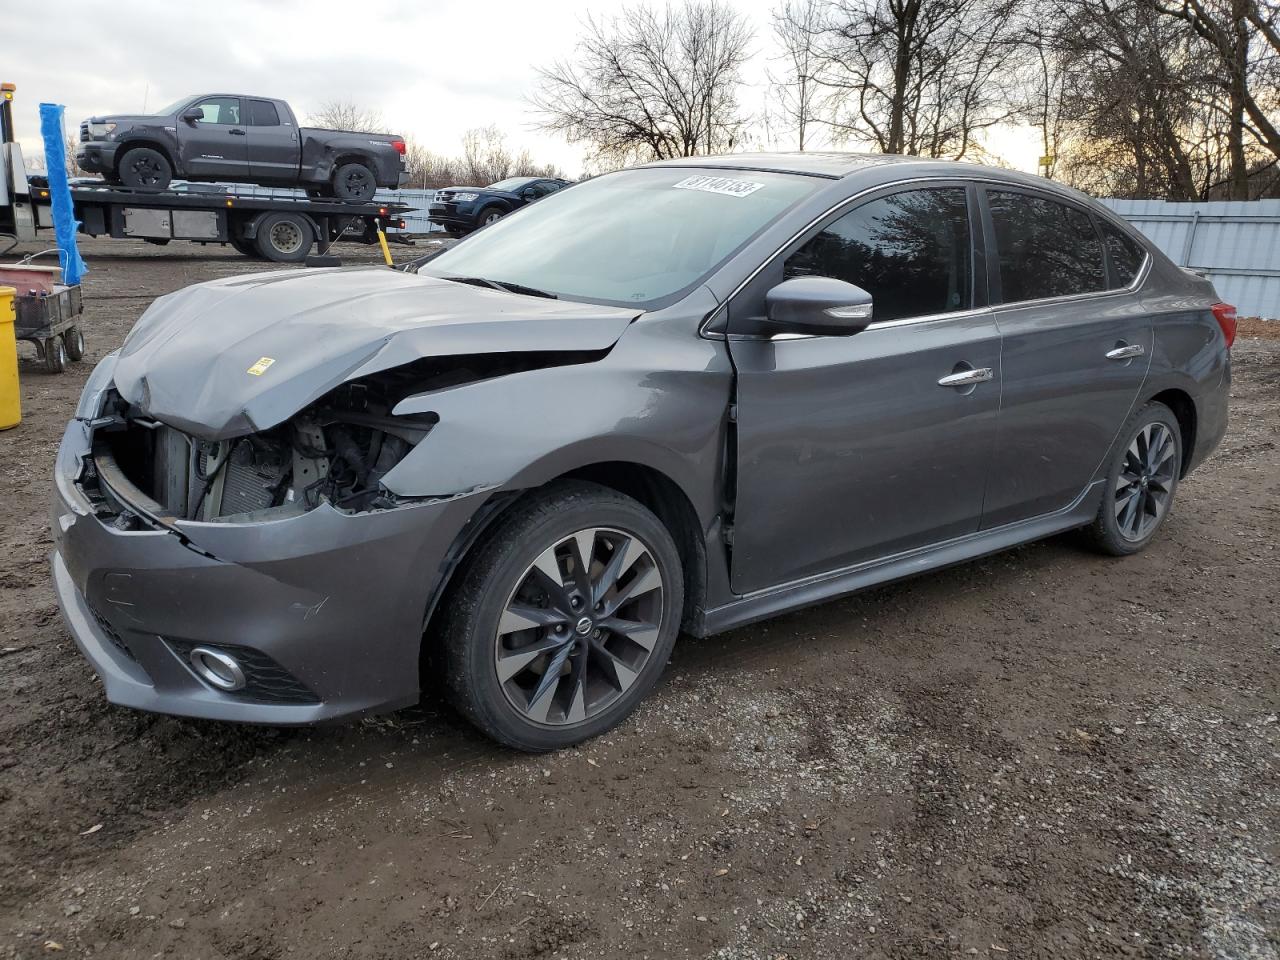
10 398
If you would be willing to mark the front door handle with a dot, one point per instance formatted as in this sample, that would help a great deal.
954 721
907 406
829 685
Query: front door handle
237 133
967 378
1126 352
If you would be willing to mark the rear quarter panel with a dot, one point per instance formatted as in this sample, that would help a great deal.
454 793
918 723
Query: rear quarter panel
1190 353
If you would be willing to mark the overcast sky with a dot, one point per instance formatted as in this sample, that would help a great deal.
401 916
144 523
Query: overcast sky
433 68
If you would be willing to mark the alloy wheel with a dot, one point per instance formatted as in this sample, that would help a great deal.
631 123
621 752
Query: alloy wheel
147 171
1144 487
579 628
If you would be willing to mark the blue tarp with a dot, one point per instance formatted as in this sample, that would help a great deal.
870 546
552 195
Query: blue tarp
64 218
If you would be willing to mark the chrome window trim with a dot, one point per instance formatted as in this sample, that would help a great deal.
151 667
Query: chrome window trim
942 182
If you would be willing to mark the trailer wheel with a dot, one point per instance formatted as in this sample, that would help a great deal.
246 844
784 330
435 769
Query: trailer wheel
354 181
55 355
284 237
145 169
73 339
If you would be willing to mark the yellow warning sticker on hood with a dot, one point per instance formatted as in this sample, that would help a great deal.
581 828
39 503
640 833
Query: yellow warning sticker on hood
259 368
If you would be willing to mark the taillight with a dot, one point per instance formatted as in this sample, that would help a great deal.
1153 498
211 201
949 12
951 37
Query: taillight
399 146
1225 314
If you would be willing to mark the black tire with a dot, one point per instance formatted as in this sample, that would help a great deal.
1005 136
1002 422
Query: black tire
245 246
354 181
143 168
55 355
1141 483
73 340
502 564
489 215
284 237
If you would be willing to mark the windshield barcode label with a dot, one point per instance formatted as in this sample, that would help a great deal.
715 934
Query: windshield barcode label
726 185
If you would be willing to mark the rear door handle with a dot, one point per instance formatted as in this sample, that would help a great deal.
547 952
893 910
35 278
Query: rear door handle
1126 352
967 378
237 133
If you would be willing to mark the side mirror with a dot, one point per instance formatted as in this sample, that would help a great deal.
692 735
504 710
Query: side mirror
193 114
529 194
819 306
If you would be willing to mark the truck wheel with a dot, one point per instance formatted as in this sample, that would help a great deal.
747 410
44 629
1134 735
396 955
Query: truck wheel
145 169
284 237
73 338
55 355
245 246
354 181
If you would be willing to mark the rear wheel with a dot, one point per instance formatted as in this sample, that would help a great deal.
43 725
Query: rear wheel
1141 482
144 168
564 617
354 181
245 246
73 340
284 237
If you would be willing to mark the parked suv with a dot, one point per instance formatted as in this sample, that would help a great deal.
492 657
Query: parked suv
681 397
228 137
463 209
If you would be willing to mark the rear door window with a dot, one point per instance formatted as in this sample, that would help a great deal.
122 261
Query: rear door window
1045 248
263 113
1125 253
909 250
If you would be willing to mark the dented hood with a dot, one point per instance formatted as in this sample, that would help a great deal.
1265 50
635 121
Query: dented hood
235 356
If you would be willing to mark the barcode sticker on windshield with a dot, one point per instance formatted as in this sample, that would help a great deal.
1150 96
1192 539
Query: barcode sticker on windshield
726 185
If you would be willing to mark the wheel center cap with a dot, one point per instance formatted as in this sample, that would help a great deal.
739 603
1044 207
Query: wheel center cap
583 626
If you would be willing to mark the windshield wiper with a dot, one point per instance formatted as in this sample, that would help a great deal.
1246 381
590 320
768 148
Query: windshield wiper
504 285
521 288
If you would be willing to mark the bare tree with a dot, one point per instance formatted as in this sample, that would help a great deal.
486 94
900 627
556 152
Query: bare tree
920 77
1243 36
485 159
651 83
1142 106
797 29
345 115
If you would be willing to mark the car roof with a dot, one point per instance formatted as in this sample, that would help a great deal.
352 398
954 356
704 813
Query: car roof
834 165
828 164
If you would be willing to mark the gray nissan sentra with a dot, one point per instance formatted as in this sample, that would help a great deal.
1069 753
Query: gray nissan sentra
681 397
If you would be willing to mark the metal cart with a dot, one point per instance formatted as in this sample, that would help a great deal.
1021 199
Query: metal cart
52 321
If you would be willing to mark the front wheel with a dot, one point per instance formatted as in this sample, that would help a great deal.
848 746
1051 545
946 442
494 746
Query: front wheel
1141 482
564 617
489 215
144 168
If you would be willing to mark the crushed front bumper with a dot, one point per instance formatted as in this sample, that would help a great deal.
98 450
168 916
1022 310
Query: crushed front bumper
333 603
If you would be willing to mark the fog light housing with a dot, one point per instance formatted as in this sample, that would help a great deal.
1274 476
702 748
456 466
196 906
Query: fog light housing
216 668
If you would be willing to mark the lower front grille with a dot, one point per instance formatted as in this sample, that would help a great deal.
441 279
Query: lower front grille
265 680
112 634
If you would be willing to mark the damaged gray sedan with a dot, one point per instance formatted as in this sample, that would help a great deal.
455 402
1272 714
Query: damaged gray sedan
684 396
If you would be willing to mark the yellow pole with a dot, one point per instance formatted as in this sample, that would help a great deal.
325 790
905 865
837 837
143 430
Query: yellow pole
10 396
382 240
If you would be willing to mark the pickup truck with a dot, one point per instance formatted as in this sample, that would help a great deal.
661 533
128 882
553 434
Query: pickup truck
229 137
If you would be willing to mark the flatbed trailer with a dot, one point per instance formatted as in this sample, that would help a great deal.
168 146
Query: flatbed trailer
283 229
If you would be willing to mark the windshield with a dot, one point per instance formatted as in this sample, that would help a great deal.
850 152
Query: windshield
636 238
511 184
173 107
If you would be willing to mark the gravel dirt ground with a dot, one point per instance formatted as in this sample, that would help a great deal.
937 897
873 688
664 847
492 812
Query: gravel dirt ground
1047 753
